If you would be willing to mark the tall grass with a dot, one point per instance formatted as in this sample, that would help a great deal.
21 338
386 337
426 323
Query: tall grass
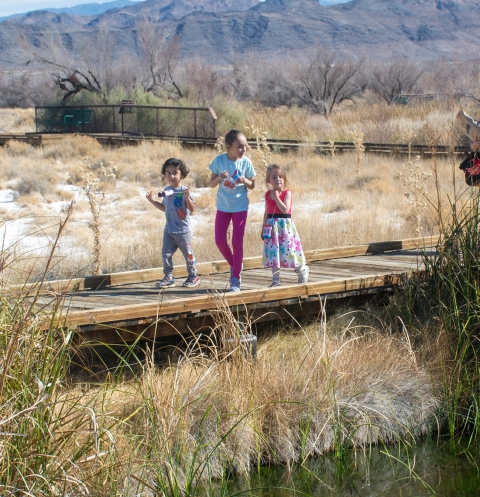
451 289
181 428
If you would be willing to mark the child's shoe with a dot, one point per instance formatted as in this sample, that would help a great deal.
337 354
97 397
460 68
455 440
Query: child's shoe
303 274
167 282
231 273
191 281
234 284
275 282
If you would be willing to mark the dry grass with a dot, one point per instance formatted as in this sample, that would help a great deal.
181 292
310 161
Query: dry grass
17 120
169 429
340 200
307 394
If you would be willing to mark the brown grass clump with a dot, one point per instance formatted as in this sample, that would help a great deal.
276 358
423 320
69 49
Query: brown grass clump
307 393
17 120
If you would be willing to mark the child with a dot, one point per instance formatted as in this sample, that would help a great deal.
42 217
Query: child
233 173
177 205
282 246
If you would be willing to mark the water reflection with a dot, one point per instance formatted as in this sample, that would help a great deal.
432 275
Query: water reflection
430 467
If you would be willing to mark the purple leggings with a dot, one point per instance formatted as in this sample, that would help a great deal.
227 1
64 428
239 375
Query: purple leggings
222 221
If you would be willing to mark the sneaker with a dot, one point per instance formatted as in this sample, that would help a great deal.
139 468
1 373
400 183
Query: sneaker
168 281
231 273
274 283
191 281
234 285
303 274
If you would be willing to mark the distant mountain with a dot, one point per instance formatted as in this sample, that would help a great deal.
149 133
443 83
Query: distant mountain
91 9
121 16
333 2
87 9
223 29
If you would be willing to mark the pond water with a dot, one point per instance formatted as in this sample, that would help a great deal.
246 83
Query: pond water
433 466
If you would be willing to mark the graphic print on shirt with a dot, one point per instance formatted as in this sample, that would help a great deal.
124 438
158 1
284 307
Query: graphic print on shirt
178 204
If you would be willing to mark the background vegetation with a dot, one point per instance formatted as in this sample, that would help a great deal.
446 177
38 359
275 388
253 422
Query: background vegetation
373 376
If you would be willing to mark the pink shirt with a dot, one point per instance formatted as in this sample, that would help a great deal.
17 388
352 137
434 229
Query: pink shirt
272 207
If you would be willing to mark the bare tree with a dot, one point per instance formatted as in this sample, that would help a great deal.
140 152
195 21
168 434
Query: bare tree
160 56
320 81
398 77
25 88
91 69
202 82
464 80
248 71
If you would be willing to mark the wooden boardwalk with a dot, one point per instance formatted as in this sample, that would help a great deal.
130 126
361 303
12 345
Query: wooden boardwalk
121 306
116 139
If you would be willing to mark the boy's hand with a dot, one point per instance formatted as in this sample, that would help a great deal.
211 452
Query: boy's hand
186 192
224 174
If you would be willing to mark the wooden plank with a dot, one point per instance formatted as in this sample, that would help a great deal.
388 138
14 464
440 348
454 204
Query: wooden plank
215 267
378 266
211 300
366 265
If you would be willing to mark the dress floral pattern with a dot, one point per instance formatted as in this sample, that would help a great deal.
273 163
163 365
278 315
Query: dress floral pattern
284 249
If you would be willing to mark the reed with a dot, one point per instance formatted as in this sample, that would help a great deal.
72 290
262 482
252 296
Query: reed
450 292
181 428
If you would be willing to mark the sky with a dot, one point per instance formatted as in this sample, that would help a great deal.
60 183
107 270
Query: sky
9 7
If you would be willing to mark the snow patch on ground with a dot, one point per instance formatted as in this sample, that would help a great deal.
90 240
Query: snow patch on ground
7 200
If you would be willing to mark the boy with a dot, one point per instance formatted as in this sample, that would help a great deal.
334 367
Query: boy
177 205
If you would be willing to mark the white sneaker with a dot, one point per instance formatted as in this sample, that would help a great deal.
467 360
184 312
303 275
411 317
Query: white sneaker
303 274
234 285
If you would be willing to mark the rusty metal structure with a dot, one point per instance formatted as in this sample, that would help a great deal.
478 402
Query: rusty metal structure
128 119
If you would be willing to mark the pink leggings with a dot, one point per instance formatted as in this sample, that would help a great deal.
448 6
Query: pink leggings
222 221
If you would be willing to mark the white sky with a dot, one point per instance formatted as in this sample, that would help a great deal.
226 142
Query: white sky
8 7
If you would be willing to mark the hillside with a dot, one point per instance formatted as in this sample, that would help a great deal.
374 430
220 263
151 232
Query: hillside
419 29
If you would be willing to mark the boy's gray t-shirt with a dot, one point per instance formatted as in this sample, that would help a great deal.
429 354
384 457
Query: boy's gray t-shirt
176 212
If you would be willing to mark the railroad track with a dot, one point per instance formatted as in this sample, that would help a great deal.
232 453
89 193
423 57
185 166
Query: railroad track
276 145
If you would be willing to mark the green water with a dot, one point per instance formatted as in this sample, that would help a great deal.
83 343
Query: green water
430 467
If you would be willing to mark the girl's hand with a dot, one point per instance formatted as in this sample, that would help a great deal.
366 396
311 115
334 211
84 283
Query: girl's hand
149 196
224 174
186 192
241 179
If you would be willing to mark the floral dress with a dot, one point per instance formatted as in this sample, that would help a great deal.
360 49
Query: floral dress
284 248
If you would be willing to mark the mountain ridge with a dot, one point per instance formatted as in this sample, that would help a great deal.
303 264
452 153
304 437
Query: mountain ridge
418 29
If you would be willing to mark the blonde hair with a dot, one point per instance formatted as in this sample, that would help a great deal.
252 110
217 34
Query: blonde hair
281 172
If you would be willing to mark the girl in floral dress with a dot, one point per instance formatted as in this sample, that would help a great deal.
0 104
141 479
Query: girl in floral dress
281 244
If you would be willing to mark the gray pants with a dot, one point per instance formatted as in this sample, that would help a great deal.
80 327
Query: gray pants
172 242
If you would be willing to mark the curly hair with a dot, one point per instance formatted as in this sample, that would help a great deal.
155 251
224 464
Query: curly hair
178 163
